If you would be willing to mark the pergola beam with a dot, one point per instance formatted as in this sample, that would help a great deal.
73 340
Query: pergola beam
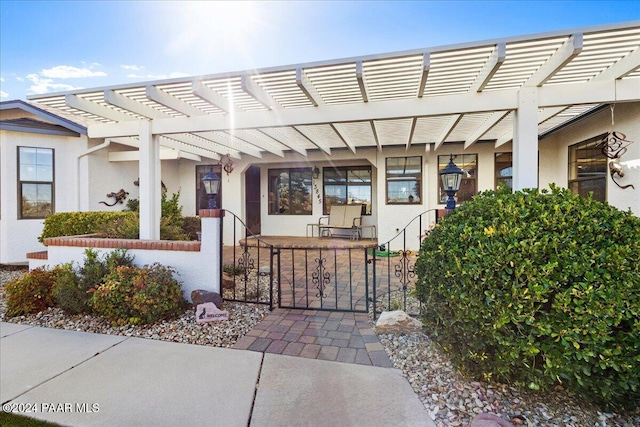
212 97
256 92
424 75
620 69
361 82
165 154
569 50
451 123
305 85
484 128
556 95
313 138
272 133
229 144
375 134
344 137
121 101
74 101
163 98
543 116
490 67
253 140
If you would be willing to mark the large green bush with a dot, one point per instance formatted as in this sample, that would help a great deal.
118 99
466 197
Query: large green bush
139 295
538 288
76 223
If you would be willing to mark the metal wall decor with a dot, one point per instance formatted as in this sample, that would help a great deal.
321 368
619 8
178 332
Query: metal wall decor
613 146
120 197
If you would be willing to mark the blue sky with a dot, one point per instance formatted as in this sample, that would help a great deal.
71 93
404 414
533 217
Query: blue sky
53 46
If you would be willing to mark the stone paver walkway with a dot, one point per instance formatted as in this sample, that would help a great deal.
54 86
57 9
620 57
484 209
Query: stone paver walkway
335 336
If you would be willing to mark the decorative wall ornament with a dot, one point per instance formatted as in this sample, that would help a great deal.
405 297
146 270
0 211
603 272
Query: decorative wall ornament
120 197
227 163
613 146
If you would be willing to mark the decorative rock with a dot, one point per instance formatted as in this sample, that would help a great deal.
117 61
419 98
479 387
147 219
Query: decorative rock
200 296
393 322
489 420
264 271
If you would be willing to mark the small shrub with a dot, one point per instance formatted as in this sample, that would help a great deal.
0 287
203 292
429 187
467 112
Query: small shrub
191 225
538 288
233 270
30 293
73 288
139 295
68 292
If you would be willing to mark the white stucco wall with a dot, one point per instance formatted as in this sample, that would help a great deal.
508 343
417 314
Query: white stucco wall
19 236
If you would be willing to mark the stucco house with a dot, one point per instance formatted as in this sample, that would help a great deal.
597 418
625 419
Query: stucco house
289 142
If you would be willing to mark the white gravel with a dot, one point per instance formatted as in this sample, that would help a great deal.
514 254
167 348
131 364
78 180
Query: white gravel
450 399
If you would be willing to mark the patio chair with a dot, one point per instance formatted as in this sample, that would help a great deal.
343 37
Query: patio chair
342 217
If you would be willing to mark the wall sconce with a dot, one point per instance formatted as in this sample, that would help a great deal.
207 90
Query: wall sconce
315 173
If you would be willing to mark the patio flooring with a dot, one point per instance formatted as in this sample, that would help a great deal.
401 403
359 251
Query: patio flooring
339 334
335 336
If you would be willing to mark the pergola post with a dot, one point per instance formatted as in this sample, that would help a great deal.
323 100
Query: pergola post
525 140
149 171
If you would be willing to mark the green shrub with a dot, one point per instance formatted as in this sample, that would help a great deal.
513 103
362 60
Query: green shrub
73 289
191 226
538 288
30 293
139 295
76 223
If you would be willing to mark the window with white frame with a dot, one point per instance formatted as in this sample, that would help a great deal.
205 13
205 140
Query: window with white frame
588 169
347 186
504 169
403 176
35 182
290 191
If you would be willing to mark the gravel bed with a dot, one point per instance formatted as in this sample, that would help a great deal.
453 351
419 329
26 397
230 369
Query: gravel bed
450 399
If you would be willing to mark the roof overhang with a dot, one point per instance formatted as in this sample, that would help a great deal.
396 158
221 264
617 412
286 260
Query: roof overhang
459 93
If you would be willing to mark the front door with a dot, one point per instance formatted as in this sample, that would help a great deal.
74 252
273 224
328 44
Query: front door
252 198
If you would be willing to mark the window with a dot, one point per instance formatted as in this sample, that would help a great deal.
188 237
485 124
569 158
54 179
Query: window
469 183
347 186
290 192
504 169
588 169
202 198
404 175
35 182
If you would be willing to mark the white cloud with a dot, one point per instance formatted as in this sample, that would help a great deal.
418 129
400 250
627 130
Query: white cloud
42 85
1 79
70 72
174 75
3 94
132 67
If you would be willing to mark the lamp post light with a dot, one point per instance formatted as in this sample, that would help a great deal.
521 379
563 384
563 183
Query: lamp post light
450 177
211 182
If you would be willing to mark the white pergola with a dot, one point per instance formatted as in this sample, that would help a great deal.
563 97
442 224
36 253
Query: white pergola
512 89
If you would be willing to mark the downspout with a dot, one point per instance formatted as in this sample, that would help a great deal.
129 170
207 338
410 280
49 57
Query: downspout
105 144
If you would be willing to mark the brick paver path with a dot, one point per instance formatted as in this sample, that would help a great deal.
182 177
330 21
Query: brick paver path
336 336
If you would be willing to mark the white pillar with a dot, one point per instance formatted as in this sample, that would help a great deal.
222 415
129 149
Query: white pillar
525 140
149 170
211 248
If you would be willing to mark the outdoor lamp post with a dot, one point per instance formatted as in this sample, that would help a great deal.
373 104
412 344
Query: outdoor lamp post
451 176
211 182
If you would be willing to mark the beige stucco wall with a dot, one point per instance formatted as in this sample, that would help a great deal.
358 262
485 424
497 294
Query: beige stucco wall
554 153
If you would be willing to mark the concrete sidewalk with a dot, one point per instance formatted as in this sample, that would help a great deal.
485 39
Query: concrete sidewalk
84 379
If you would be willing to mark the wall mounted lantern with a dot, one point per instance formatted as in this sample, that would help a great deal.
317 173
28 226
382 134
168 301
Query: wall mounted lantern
211 182
450 177
315 173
